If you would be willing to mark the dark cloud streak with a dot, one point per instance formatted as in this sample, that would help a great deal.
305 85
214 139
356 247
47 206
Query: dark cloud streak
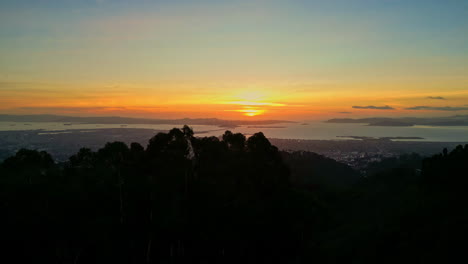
438 108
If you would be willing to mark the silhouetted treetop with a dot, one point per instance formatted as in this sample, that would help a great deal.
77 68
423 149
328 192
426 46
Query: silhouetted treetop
259 143
447 167
26 159
136 147
235 141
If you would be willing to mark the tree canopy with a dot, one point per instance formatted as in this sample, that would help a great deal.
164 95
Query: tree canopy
227 200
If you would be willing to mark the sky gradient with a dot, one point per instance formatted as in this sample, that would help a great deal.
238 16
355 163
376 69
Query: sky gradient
234 59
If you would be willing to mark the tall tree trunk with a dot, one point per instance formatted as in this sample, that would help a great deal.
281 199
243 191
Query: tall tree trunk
150 239
148 249
121 198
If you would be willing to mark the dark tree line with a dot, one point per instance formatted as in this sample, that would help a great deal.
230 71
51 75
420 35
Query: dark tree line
229 200
405 213
179 199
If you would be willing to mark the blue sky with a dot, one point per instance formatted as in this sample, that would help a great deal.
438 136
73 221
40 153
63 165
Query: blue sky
322 48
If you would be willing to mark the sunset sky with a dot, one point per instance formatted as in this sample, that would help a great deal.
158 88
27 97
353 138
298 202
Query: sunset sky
295 60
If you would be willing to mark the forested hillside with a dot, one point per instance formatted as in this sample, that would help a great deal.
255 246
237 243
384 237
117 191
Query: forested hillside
228 200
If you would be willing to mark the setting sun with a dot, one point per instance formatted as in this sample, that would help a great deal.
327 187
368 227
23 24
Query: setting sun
251 111
253 103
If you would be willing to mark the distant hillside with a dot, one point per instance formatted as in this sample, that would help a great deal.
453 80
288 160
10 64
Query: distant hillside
319 172
458 120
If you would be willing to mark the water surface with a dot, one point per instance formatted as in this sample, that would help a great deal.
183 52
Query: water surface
312 130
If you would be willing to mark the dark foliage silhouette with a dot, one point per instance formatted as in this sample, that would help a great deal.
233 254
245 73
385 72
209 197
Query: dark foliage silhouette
182 198
403 214
229 200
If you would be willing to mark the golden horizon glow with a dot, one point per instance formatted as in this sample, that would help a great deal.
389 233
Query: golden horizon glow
249 103
250 111
310 102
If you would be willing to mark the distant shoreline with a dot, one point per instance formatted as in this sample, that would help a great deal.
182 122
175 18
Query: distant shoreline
202 132
116 120
458 120
315 131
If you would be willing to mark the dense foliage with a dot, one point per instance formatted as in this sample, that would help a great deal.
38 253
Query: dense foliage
181 198
403 213
211 200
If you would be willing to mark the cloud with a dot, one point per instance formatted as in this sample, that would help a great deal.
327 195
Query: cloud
438 108
344 112
436 97
386 107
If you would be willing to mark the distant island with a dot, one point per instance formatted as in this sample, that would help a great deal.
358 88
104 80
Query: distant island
458 120
129 120
266 127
